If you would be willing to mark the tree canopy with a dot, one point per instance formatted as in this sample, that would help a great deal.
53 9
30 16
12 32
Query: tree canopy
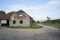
2 12
10 12
48 18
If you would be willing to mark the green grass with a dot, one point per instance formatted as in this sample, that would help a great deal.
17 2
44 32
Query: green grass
53 24
34 26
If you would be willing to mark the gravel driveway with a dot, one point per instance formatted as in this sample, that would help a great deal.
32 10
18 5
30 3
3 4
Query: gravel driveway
45 33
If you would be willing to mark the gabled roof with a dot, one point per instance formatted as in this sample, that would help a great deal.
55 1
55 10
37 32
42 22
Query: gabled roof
4 17
7 16
21 11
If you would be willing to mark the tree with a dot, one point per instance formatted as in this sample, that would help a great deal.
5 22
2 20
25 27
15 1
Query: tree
38 21
10 12
2 12
48 19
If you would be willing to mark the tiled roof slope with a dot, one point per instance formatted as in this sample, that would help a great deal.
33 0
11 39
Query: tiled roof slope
5 16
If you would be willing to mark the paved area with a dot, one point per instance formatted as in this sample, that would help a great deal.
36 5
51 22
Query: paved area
45 33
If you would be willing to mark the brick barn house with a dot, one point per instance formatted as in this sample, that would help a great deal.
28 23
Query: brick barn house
19 18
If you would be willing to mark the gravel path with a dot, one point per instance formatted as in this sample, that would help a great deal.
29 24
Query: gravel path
45 33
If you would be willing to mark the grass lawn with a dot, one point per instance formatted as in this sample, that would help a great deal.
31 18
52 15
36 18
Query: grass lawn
52 24
34 26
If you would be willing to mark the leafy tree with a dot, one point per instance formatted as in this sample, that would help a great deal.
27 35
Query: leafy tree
48 19
38 21
2 12
11 12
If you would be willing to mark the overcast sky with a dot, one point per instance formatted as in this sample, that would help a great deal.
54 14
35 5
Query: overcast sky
38 9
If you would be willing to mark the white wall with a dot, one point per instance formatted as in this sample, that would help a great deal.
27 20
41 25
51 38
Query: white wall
3 21
26 22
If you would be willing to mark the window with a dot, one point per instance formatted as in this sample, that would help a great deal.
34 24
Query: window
21 22
14 21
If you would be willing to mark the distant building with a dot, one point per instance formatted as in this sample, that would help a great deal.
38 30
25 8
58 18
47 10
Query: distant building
19 18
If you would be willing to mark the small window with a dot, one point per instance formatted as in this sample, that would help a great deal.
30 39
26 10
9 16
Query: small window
14 21
21 22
